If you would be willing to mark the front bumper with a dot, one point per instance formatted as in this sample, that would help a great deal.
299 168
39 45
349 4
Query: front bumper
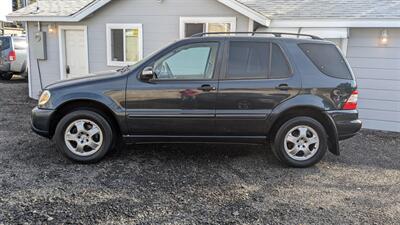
41 121
347 123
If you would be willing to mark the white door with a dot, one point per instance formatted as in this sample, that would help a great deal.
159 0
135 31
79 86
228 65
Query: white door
75 53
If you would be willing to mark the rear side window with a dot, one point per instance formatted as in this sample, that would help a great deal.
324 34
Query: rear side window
248 60
327 58
279 64
257 60
4 43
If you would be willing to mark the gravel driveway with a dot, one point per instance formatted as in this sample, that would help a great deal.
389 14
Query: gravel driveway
190 184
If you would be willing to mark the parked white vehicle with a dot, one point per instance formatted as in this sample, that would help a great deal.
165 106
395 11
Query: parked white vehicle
13 57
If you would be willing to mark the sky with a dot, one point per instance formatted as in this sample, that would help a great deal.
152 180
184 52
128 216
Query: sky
5 8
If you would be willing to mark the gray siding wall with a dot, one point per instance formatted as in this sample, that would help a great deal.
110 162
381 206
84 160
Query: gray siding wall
377 69
160 27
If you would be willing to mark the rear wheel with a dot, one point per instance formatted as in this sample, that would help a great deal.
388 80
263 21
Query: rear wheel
84 136
300 142
6 75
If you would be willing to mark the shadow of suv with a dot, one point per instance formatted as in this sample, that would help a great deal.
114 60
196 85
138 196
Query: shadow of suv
298 94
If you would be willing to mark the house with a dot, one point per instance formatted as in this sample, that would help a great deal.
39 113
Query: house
86 36
6 7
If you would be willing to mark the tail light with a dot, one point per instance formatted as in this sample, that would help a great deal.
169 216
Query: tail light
12 56
351 103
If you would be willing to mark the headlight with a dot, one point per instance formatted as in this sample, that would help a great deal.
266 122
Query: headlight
44 98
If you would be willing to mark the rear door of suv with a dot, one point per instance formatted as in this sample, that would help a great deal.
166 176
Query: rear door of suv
256 77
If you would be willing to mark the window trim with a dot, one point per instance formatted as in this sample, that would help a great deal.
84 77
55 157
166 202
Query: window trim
225 77
184 20
123 27
214 75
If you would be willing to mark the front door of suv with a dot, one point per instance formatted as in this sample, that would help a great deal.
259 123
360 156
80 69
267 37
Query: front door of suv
256 78
180 101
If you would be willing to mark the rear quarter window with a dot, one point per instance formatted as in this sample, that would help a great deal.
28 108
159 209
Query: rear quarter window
4 43
327 58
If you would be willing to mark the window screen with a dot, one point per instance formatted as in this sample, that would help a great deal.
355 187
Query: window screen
117 45
327 59
193 28
279 64
248 60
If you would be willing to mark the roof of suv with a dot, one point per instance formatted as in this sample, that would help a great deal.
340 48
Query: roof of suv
263 36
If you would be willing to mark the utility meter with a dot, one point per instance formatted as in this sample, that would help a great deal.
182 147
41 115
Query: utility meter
39 45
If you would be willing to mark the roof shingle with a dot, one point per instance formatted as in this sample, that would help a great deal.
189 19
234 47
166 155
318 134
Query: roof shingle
53 8
325 9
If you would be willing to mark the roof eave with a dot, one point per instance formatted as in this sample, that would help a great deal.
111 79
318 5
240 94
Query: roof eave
244 10
340 22
80 15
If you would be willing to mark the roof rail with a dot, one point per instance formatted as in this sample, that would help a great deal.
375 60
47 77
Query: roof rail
276 34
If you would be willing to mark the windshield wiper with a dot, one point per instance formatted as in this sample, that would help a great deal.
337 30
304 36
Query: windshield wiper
124 69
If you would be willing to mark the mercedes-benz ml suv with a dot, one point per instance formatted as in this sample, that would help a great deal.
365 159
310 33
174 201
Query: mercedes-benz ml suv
298 94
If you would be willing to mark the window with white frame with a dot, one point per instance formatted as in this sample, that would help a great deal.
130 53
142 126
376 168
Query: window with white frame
124 44
194 25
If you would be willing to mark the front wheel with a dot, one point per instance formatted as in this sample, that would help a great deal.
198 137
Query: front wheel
84 136
300 142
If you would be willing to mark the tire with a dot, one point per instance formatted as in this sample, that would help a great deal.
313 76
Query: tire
95 131
294 148
6 76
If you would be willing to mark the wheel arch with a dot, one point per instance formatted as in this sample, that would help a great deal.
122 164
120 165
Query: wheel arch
279 117
87 104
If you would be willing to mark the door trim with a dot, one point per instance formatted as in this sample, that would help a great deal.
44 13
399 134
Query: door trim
61 45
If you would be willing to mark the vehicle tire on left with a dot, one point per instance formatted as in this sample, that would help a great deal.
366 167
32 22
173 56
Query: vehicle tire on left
6 75
84 136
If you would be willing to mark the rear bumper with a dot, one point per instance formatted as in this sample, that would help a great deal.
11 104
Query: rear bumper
41 120
347 123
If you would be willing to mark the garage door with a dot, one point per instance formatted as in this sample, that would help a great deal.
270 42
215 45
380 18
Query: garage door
377 68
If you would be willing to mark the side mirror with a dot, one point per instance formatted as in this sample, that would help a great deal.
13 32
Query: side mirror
147 74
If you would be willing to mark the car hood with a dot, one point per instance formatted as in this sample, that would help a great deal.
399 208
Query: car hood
92 78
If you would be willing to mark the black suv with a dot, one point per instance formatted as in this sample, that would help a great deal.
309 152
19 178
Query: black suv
299 94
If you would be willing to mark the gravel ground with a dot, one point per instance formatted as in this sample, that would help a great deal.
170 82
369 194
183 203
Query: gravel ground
190 184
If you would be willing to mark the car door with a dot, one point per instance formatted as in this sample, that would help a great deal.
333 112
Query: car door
256 78
180 101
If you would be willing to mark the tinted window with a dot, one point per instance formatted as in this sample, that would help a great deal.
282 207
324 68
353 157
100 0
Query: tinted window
279 64
327 58
4 43
248 60
194 61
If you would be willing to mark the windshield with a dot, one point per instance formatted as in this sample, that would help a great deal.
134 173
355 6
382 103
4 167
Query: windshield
140 62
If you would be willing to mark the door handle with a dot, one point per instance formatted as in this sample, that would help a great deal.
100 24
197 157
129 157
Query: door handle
207 88
68 69
283 87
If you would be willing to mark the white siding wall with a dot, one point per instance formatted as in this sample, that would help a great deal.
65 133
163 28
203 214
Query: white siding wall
160 27
377 69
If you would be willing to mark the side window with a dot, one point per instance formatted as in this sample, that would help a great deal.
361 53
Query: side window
327 58
248 60
194 61
4 43
279 65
